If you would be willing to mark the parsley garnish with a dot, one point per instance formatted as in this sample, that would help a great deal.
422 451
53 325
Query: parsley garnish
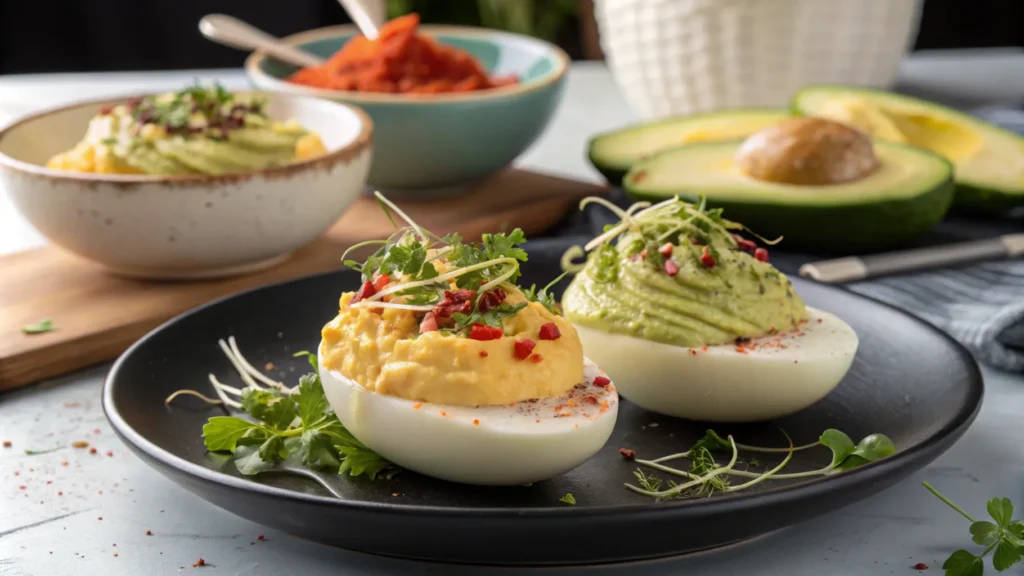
39 452
414 282
41 327
544 296
568 499
299 423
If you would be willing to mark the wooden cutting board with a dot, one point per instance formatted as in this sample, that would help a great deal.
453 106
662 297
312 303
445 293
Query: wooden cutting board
99 315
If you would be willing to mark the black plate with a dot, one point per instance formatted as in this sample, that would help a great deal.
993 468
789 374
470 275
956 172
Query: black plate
908 381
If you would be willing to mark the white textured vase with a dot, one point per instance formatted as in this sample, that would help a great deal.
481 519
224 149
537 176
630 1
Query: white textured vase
673 57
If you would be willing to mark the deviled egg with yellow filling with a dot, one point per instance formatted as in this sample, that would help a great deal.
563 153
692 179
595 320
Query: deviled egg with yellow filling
691 319
442 365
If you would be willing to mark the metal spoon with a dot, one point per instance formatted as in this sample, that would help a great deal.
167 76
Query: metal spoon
360 14
231 31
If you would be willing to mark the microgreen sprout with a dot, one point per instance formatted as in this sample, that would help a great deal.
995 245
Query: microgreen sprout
706 477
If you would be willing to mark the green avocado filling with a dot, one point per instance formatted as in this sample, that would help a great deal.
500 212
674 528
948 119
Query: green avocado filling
195 131
679 274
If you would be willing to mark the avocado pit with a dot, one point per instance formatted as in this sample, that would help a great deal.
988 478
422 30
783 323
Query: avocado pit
807 152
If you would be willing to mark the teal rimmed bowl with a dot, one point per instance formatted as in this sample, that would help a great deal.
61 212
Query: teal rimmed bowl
424 143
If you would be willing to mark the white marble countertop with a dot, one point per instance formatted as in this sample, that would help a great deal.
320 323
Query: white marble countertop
91 516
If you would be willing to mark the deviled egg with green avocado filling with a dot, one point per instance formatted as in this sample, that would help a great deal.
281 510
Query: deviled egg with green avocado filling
691 320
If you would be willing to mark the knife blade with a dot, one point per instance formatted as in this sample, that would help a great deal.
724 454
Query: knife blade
853 268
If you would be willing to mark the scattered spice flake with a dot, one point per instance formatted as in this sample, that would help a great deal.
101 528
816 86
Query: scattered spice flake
92 450
63 462
199 563
79 444
692 351
49 481
602 381
819 322
536 358
639 176
443 413
60 492
99 517
115 554
16 473
268 366
22 487
7 444
260 538
483 353
110 453
417 406
95 430
476 422
919 565
538 421
149 532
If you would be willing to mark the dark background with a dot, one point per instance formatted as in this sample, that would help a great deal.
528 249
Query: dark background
94 35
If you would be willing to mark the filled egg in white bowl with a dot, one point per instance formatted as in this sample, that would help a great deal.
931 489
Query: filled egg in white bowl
691 320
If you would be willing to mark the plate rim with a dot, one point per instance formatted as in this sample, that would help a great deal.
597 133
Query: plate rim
711 506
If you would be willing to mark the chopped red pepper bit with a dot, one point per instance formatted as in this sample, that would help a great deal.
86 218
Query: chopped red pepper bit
149 532
920 566
536 358
761 255
92 450
524 347
671 268
476 422
666 249
745 245
601 381
7 443
199 563
260 537
550 331
381 281
627 453
483 353
706 259
480 331
364 292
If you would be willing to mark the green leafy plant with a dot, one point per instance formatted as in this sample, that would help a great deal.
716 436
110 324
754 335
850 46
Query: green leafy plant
705 476
283 423
1003 537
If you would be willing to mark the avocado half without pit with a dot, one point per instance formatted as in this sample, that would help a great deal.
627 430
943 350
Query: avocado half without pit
821 185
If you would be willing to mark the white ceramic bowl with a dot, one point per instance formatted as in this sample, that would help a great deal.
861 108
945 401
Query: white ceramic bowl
676 57
183 227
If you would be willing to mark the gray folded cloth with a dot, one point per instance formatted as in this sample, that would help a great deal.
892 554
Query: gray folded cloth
980 305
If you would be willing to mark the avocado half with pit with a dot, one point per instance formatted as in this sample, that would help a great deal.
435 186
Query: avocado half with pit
988 161
614 153
821 185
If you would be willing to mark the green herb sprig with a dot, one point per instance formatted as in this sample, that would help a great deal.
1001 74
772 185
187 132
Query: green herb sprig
43 326
1003 537
705 476
283 422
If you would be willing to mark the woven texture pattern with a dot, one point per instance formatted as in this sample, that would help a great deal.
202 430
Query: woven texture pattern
673 57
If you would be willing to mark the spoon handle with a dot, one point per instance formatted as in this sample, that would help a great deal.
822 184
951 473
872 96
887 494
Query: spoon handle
231 31
362 18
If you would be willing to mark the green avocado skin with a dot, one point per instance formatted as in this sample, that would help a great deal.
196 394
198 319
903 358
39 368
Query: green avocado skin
985 201
840 229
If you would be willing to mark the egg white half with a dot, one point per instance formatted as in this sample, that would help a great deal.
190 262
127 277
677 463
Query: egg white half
770 377
487 445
